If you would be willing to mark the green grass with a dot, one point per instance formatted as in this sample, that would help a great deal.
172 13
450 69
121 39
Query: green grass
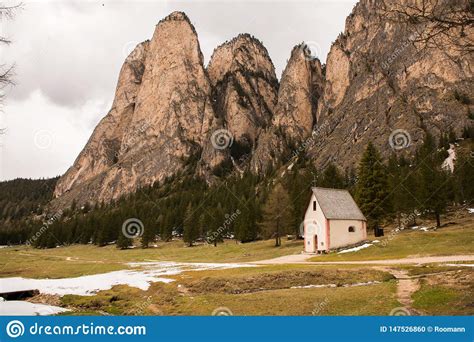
443 300
266 292
454 240
80 260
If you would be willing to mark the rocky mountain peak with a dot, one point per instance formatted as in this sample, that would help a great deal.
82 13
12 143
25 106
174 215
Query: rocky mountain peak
243 53
162 112
301 87
244 87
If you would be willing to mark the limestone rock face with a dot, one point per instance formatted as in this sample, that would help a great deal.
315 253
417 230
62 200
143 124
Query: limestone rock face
102 149
380 78
245 86
301 87
161 116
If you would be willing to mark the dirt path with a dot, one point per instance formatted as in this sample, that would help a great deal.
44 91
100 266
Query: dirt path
302 259
406 287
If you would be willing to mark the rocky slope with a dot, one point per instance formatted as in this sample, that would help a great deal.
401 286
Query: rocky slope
380 78
244 86
161 115
301 88
169 109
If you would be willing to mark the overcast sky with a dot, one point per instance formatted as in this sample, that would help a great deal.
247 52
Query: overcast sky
68 54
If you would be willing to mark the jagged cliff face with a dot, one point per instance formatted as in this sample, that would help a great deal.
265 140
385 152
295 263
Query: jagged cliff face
379 78
301 87
162 114
168 107
244 87
102 149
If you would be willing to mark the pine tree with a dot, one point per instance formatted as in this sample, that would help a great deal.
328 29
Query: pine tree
372 187
277 218
190 227
331 178
464 179
300 184
123 242
433 180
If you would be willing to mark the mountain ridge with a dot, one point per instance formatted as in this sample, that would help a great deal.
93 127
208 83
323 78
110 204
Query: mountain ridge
359 95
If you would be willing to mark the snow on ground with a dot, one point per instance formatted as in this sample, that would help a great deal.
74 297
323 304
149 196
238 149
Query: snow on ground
448 163
460 265
145 273
313 286
425 229
355 249
471 210
19 308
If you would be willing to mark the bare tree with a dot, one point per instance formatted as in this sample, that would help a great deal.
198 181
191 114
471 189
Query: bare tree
441 24
6 71
6 13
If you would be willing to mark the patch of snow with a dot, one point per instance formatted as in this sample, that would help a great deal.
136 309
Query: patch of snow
355 249
448 163
375 241
290 166
425 229
470 210
313 286
149 272
4 247
460 265
362 284
20 308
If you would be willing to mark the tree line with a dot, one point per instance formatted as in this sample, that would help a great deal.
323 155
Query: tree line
245 207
